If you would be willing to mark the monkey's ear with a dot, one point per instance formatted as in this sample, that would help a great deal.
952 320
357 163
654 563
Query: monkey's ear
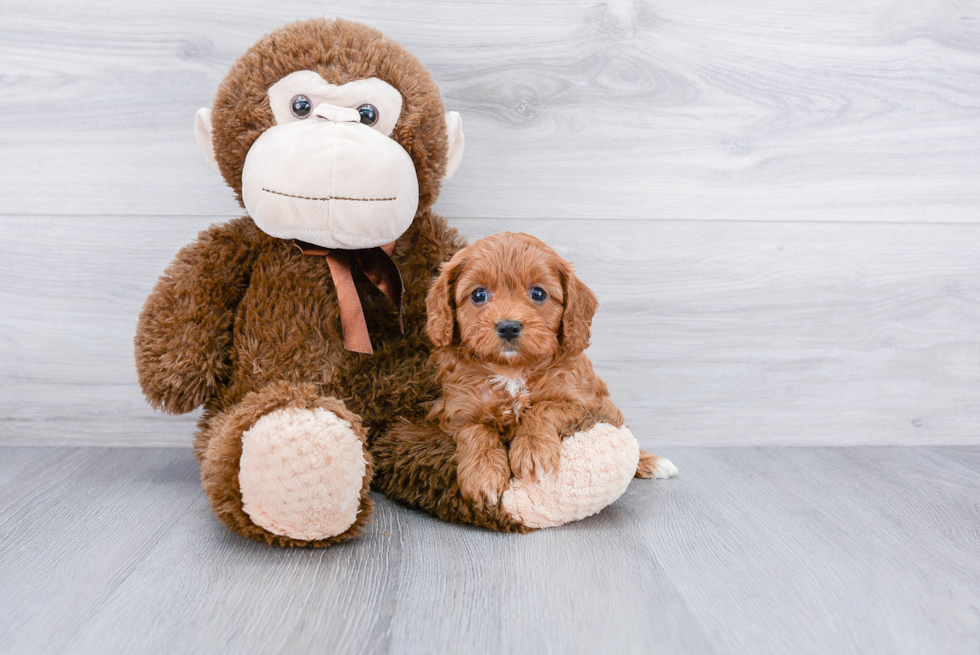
440 303
454 127
580 306
202 132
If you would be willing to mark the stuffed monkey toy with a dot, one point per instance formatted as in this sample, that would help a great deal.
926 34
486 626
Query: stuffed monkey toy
300 327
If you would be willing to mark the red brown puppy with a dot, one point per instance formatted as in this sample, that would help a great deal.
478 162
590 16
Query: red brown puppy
511 322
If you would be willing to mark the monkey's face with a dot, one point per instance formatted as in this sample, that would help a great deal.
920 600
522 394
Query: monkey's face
328 172
331 134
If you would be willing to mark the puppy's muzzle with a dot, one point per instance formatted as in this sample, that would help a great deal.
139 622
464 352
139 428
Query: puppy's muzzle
508 330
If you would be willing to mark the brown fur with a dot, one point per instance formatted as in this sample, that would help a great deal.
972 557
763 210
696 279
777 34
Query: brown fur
340 51
223 450
243 323
648 465
500 432
414 465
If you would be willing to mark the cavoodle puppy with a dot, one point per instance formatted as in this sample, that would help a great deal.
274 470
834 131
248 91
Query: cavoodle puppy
510 322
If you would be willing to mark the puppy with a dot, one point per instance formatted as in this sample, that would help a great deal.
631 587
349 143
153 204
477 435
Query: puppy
510 322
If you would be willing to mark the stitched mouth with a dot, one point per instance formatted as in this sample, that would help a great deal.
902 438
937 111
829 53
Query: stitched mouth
289 195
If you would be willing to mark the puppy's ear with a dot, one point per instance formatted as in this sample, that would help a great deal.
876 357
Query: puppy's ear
440 304
580 306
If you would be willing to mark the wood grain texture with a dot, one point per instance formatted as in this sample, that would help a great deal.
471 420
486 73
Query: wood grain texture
709 333
791 110
829 293
752 550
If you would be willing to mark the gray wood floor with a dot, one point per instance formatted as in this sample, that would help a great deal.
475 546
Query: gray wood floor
751 550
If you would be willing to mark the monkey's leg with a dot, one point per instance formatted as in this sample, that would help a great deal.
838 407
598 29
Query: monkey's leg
288 467
596 466
415 465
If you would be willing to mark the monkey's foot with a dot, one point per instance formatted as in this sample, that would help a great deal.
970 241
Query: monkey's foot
302 473
596 467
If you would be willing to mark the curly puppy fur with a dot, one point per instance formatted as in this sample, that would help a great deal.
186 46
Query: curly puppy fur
507 402
508 399
243 323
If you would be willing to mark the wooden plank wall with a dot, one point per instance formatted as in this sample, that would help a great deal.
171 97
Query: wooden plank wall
778 202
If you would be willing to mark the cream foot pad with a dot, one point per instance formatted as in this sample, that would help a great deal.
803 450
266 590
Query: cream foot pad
596 467
301 474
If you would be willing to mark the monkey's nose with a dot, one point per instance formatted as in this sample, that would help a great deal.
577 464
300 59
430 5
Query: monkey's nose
508 330
337 114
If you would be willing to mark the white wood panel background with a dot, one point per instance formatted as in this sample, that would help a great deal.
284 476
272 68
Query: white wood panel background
778 202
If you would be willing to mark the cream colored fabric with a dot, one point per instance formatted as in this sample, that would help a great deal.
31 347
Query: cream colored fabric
337 184
301 474
352 95
454 128
328 178
596 467
202 134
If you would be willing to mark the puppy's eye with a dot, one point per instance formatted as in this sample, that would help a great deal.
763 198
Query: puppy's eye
300 106
538 294
369 114
479 296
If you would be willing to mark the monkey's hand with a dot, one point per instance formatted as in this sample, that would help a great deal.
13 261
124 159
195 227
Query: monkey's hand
185 329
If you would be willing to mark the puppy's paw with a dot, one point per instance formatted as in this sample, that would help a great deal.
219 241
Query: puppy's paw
531 458
484 479
655 466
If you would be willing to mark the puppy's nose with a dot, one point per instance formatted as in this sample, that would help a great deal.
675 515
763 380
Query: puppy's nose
508 330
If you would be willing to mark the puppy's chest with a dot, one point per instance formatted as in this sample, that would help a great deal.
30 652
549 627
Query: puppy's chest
508 398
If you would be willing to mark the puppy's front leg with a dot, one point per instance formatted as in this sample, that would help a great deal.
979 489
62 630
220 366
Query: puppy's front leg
481 464
536 447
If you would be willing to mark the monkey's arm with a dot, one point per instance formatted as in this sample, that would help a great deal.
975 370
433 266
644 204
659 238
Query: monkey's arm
184 332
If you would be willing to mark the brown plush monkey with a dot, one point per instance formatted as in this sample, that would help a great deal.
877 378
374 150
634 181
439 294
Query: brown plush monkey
335 140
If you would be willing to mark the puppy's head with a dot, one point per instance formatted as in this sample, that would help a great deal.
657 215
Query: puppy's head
510 299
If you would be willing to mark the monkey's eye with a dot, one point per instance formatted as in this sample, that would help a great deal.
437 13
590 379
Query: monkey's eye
300 106
369 114
479 296
538 294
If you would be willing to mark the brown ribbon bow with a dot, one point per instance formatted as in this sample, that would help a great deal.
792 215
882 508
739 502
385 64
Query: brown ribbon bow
378 266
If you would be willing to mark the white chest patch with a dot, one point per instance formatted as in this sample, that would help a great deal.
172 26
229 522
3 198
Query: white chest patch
513 386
